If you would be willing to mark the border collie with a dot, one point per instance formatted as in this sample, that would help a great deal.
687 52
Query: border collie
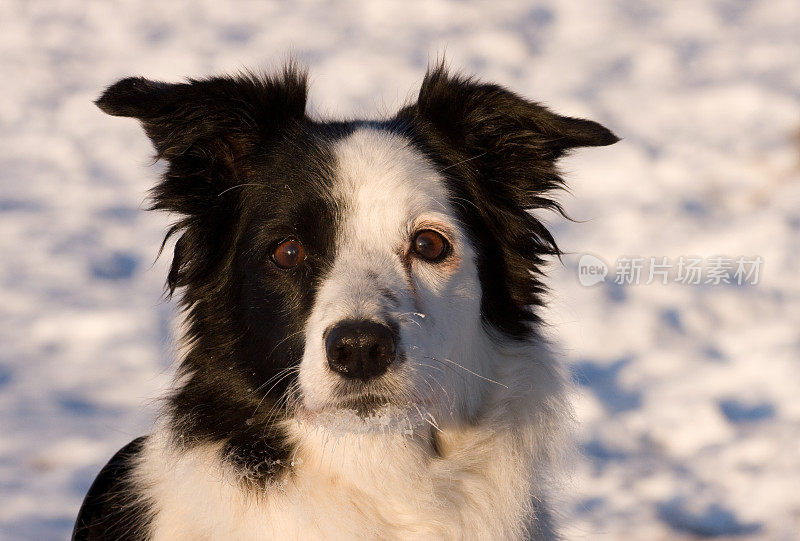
362 351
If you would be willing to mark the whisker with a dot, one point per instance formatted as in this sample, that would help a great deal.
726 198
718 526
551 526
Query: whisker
282 341
471 372
454 198
238 186
464 161
277 374
432 422
406 318
435 380
289 395
286 374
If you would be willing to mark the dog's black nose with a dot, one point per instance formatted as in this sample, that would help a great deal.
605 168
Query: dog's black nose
359 349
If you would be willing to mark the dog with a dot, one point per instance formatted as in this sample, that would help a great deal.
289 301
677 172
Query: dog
362 352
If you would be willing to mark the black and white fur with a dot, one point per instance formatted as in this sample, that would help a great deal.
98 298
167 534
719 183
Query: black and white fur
260 439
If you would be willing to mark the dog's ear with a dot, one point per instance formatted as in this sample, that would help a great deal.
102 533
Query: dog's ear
216 111
205 130
503 147
480 118
499 152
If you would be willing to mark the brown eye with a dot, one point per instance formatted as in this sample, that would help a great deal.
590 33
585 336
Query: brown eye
288 254
430 245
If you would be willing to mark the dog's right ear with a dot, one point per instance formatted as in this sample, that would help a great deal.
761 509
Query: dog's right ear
137 97
206 129
212 115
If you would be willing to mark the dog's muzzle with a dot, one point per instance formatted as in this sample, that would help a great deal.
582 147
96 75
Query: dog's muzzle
360 349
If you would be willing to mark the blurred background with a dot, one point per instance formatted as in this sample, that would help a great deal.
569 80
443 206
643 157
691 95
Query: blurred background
687 395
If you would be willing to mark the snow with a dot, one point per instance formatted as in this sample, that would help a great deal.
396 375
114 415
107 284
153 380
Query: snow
686 394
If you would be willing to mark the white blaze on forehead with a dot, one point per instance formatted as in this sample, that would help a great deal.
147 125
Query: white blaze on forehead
384 182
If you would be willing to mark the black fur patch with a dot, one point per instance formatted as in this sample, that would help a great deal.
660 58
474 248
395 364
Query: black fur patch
112 509
247 169
498 153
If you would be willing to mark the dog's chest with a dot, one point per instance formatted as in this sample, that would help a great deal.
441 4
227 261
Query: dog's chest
194 498
331 511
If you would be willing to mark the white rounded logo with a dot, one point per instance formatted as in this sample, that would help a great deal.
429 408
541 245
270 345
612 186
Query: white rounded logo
591 270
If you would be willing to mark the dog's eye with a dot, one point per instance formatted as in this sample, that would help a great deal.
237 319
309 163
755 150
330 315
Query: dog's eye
430 245
288 254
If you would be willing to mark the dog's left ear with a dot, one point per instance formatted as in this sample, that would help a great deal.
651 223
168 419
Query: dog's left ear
498 151
487 119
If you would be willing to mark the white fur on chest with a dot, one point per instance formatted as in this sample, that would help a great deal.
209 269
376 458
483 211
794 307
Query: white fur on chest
483 486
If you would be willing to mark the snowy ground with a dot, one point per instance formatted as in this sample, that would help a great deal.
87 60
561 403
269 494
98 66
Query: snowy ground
687 394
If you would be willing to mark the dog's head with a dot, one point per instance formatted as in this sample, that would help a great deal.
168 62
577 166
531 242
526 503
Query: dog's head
332 266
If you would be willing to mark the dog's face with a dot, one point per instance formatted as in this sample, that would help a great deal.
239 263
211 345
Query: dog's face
399 303
333 266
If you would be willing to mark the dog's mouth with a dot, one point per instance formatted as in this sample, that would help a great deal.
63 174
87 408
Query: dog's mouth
391 403
364 415
395 393
364 404
366 399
